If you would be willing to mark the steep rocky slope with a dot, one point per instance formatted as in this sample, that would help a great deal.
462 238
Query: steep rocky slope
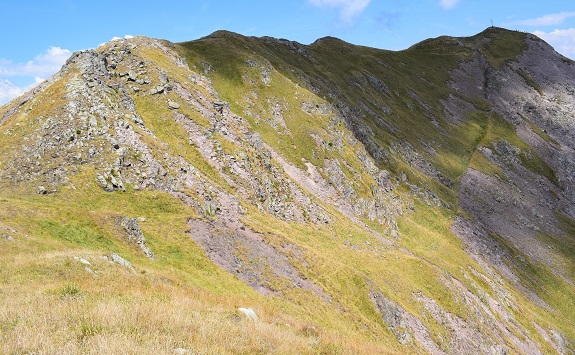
359 200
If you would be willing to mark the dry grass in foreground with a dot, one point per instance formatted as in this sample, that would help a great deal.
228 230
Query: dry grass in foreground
52 305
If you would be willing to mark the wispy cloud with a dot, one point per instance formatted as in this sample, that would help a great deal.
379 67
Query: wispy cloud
9 91
562 40
115 38
125 37
546 20
42 65
33 71
349 9
448 4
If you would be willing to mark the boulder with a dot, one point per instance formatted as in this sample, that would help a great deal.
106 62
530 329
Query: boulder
219 106
110 181
249 313
173 105
121 261
256 139
137 120
132 75
82 260
157 90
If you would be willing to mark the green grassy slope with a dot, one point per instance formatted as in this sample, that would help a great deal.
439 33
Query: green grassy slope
363 109
398 97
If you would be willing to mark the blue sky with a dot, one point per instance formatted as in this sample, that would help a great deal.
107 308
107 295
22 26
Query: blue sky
37 36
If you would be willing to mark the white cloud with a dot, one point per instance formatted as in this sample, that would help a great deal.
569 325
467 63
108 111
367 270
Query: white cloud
546 20
349 9
562 40
448 4
117 39
125 37
9 91
43 65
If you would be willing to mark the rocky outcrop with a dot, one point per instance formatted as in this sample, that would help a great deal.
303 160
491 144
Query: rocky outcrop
134 235
534 94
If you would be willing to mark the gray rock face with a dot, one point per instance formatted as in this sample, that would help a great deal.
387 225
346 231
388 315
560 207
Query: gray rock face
396 320
164 78
223 249
134 235
521 204
110 181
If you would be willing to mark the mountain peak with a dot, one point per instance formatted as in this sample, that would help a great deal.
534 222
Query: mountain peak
328 39
222 34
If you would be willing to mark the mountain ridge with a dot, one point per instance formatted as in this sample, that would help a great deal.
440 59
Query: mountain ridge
410 201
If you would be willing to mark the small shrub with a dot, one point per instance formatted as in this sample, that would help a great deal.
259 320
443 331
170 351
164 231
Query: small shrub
70 290
88 329
209 210
309 331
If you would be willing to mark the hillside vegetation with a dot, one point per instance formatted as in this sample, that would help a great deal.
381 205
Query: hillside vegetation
358 200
